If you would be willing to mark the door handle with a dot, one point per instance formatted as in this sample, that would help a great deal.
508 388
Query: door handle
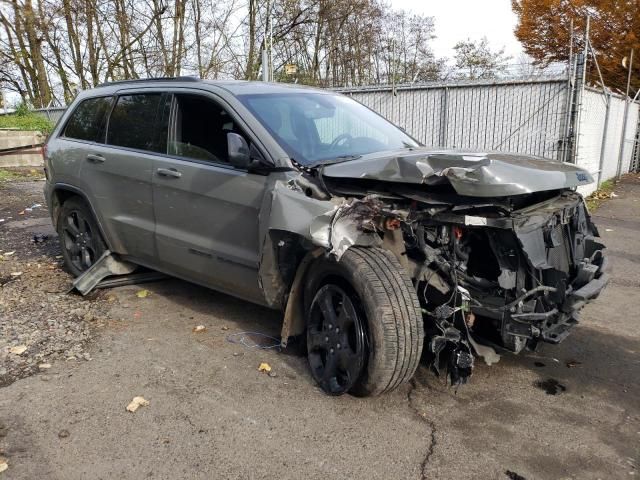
169 172
94 158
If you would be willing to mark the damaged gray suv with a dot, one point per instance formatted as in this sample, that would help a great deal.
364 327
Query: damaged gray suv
380 252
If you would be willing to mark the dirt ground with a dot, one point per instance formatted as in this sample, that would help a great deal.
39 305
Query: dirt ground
567 411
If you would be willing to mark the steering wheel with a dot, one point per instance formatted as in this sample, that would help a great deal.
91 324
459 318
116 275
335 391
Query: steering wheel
340 139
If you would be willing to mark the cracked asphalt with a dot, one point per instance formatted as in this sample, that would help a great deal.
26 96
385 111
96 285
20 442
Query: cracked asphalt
212 414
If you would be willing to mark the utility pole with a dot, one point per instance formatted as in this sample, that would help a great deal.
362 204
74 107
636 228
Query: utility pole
624 122
266 68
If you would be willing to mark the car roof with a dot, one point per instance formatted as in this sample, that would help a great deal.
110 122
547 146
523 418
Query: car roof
235 87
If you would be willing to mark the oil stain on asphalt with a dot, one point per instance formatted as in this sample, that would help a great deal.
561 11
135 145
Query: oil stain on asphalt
551 386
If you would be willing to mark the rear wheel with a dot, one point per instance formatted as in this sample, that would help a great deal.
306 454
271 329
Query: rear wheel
364 325
80 237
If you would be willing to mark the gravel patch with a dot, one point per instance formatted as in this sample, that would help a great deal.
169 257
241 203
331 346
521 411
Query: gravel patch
40 323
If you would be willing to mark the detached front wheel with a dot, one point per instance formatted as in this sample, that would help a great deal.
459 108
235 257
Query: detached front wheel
364 325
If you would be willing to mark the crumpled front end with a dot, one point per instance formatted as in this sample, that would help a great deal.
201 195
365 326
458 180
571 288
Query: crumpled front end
492 275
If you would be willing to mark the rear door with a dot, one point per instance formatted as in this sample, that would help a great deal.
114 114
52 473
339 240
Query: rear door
119 172
207 211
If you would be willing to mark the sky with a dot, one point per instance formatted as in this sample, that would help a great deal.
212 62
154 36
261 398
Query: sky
457 20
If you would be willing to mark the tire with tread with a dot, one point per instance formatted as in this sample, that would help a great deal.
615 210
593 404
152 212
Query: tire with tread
388 300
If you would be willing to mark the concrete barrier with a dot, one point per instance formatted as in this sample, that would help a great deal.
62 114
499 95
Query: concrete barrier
31 157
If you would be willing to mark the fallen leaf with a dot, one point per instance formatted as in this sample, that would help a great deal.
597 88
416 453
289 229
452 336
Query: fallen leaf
21 213
18 349
614 195
136 403
199 329
3 465
264 367
225 328
142 293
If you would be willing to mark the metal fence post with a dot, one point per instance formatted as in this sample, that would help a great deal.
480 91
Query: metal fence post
623 137
576 110
604 137
624 121
444 117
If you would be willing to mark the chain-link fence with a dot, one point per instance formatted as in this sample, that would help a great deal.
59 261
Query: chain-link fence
553 117
635 157
601 147
525 116
51 113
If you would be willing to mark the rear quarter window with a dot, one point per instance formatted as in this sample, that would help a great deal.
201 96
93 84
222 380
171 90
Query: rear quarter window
87 120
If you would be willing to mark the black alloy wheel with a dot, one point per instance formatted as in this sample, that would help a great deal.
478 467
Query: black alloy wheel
336 340
80 238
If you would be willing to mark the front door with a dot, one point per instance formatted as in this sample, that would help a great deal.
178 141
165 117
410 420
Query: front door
206 211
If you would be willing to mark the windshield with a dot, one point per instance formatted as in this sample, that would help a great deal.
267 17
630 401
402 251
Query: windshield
316 128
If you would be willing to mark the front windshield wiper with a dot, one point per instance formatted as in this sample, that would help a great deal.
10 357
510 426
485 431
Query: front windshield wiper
331 161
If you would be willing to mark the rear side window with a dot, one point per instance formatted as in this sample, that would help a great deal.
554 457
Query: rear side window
87 120
132 123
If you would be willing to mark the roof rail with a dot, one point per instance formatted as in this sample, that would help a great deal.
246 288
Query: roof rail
137 80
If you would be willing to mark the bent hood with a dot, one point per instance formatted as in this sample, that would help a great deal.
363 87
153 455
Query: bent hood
469 173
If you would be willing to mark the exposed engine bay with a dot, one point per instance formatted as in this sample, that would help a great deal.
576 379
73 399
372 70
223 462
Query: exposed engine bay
493 273
505 275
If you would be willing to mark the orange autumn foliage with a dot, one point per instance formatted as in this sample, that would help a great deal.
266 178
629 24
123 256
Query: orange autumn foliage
544 28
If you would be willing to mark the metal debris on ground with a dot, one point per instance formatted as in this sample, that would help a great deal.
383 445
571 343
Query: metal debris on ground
106 266
136 403
254 340
199 329
264 367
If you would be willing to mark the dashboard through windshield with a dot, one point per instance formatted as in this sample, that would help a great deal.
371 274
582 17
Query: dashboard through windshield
315 128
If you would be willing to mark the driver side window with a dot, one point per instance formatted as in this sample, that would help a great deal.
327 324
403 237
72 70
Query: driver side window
199 128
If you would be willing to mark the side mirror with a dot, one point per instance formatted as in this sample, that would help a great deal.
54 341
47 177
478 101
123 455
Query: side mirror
238 150
244 156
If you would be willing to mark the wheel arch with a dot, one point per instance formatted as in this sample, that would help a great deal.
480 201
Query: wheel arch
62 192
